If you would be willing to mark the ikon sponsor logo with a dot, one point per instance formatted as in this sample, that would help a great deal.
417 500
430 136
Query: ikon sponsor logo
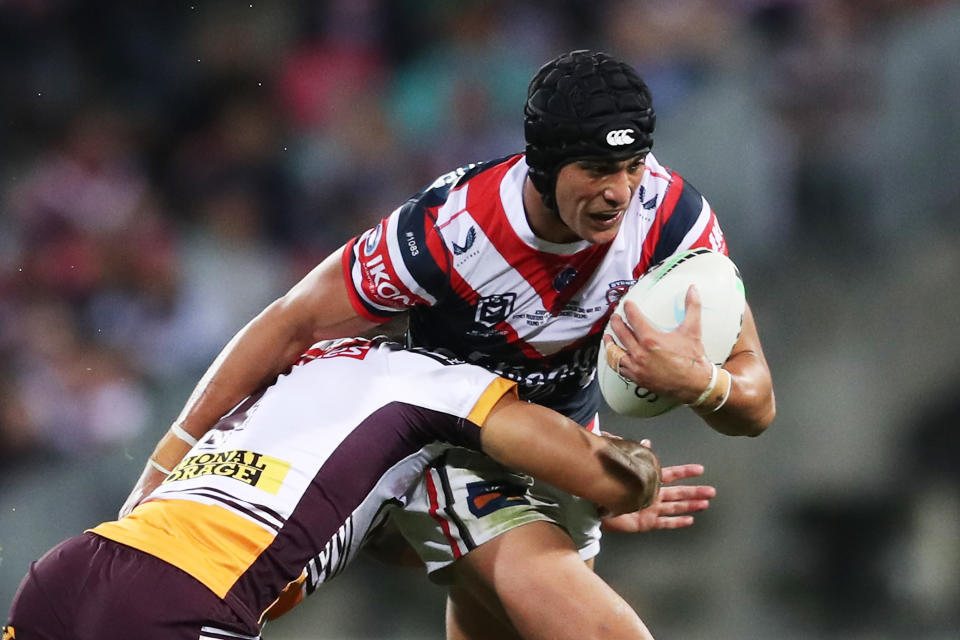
620 137
249 467
379 281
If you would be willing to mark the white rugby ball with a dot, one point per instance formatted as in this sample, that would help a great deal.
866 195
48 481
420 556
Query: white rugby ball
660 293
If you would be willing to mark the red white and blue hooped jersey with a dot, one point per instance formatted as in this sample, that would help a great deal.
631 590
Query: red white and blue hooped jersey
479 285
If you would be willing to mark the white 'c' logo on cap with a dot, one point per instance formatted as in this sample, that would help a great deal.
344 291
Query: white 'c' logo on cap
620 137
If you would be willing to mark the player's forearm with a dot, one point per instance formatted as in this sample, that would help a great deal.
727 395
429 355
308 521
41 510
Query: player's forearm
552 448
246 363
750 406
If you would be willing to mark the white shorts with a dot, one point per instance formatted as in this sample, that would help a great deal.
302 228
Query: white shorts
465 499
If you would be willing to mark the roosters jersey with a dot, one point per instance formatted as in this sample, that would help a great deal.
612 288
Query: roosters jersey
287 485
481 286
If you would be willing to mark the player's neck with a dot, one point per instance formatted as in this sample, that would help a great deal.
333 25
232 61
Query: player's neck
544 222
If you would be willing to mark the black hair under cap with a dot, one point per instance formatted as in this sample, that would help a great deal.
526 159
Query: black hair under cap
584 104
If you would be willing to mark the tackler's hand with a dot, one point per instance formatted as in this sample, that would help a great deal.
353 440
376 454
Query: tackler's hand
673 506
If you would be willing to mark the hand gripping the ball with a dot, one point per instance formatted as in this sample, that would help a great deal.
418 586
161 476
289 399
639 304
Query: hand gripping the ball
671 363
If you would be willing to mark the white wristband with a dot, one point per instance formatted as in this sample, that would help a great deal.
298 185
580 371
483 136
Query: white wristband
156 465
706 392
182 433
725 395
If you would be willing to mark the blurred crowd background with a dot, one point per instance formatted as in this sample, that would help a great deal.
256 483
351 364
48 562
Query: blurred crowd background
169 168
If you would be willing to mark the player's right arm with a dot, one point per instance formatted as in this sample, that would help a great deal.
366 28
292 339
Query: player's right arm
621 476
316 308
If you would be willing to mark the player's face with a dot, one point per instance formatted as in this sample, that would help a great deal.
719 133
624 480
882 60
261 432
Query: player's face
592 196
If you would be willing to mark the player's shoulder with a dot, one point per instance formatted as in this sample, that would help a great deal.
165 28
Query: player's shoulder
438 191
666 191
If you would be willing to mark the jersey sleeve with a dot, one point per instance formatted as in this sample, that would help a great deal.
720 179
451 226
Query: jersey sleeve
436 382
384 267
457 424
403 261
497 388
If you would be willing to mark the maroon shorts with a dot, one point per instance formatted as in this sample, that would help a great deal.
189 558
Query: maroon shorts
91 588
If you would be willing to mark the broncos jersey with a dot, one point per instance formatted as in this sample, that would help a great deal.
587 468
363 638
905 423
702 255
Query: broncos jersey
461 257
285 488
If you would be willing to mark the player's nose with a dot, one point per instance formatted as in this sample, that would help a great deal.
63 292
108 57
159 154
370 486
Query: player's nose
618 189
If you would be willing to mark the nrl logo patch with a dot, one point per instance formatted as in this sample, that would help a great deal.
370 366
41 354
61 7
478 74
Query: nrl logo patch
492 310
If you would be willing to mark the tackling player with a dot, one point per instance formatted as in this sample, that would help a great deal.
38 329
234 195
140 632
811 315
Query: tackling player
282 493
516 264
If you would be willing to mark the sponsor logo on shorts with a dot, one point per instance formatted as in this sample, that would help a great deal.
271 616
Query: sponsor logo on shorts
249 467
484 498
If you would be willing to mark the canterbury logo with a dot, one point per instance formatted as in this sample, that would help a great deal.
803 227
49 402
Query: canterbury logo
620 137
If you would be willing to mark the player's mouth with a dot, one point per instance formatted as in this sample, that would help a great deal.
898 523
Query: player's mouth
607 218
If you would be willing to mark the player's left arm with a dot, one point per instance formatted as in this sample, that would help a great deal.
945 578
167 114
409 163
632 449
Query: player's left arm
750 405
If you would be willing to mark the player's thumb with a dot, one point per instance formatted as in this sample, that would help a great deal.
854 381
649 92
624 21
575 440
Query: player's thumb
693 308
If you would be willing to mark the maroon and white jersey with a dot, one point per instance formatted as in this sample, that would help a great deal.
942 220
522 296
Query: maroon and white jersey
286 487
481 286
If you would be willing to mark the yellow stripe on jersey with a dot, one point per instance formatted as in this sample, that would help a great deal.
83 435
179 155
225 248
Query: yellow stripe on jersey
249 467
491 396
211 543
